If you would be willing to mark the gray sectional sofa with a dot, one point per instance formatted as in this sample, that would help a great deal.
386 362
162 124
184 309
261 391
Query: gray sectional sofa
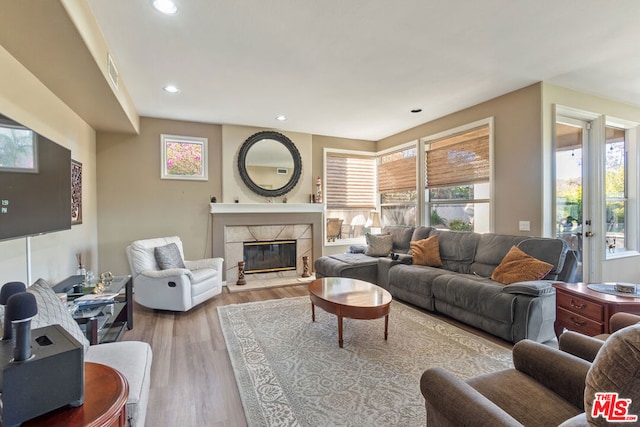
462 287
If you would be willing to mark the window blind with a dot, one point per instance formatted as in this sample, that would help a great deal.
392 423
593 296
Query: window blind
461 159
351 181
397 171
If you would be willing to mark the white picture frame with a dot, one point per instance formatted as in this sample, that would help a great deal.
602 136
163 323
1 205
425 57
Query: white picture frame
184 158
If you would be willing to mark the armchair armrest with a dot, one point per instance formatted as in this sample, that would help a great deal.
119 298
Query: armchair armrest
451 401
561 372
582 346
215 263
621 320
534 288
164 274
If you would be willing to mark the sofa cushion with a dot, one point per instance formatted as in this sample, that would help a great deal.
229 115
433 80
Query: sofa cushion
379 244
492 248
517 266
401 236
457 249
168 256
133 360
426 252
616 368
52 311
483 297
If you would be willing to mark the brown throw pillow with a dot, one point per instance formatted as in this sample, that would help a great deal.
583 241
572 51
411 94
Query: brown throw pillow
517 266
426 252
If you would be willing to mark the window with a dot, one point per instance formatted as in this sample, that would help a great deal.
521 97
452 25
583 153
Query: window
350 192
397 186
615 189
457 179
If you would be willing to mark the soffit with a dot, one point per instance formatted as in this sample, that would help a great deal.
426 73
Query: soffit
42 36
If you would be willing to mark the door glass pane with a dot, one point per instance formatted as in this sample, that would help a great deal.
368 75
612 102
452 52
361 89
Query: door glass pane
569 188
616 194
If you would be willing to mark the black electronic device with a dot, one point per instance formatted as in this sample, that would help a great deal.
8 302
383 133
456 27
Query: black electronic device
52 378
35 194
68 283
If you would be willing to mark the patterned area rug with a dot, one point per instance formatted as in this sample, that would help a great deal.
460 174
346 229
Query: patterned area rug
291 372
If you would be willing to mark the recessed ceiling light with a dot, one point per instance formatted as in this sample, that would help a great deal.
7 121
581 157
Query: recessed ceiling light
417 110
281 118
167 7
171 89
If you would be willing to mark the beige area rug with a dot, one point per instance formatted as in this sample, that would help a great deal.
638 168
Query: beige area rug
291 372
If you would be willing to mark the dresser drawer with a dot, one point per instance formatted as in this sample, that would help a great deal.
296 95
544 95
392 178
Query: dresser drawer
578 323
580 306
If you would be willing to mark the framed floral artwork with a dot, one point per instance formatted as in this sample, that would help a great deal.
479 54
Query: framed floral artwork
183 157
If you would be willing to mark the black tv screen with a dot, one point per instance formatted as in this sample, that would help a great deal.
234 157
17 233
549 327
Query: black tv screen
35 183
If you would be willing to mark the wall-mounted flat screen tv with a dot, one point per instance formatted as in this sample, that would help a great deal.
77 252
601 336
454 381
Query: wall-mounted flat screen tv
35 182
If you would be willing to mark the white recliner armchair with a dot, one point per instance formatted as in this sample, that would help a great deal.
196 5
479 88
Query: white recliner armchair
164 280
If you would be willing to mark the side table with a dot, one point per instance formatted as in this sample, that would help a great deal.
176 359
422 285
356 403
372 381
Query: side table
586 311
105 396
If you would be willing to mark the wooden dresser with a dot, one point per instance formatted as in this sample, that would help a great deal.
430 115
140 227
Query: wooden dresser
583 310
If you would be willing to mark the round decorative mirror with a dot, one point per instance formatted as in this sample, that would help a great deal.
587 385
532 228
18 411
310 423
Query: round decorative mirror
269 164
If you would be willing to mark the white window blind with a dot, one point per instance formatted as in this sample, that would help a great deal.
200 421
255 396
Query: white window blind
460 159
350 182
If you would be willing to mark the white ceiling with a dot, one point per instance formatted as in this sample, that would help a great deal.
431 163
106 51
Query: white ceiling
355 68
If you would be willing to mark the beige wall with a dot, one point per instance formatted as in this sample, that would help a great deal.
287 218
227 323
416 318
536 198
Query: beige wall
517 154
134 203
25 99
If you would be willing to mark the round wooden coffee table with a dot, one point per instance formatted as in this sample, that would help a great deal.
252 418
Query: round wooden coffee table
352 298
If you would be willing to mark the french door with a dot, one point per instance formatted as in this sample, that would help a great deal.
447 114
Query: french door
572 214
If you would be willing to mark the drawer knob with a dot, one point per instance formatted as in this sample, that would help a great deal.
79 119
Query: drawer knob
577 322
577 306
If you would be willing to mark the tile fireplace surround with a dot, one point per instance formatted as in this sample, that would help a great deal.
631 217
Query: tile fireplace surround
235 223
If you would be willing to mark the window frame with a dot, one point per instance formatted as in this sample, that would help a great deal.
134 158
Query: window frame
425 203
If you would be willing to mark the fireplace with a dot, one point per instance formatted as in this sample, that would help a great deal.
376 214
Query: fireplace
269 256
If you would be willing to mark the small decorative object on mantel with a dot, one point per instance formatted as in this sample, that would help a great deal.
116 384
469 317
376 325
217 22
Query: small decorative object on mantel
213 199
236 200
241 280
305 266
318 190
284 199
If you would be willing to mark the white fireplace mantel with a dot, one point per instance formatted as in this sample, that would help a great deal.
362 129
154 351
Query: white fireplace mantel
227 208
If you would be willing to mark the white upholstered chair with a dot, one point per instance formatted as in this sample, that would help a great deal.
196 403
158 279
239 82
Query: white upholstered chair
164 280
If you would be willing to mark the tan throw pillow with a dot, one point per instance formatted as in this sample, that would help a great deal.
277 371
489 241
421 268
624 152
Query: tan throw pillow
426 252
379 244
517 266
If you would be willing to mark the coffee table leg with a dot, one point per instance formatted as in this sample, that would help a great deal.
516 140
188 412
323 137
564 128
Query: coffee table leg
340 331
313 312
386 326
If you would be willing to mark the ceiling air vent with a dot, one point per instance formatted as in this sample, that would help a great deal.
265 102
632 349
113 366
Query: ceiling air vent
282 171
112 70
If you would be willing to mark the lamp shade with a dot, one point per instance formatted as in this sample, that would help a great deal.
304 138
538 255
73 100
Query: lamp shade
374 219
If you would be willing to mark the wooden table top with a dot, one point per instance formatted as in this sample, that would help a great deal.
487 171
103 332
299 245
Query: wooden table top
582 289
105 395
349 292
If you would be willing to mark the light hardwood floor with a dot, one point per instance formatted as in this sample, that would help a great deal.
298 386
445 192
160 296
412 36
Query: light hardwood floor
192 381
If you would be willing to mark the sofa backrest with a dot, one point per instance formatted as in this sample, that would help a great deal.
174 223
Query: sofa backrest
457 249
493 247
401 237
